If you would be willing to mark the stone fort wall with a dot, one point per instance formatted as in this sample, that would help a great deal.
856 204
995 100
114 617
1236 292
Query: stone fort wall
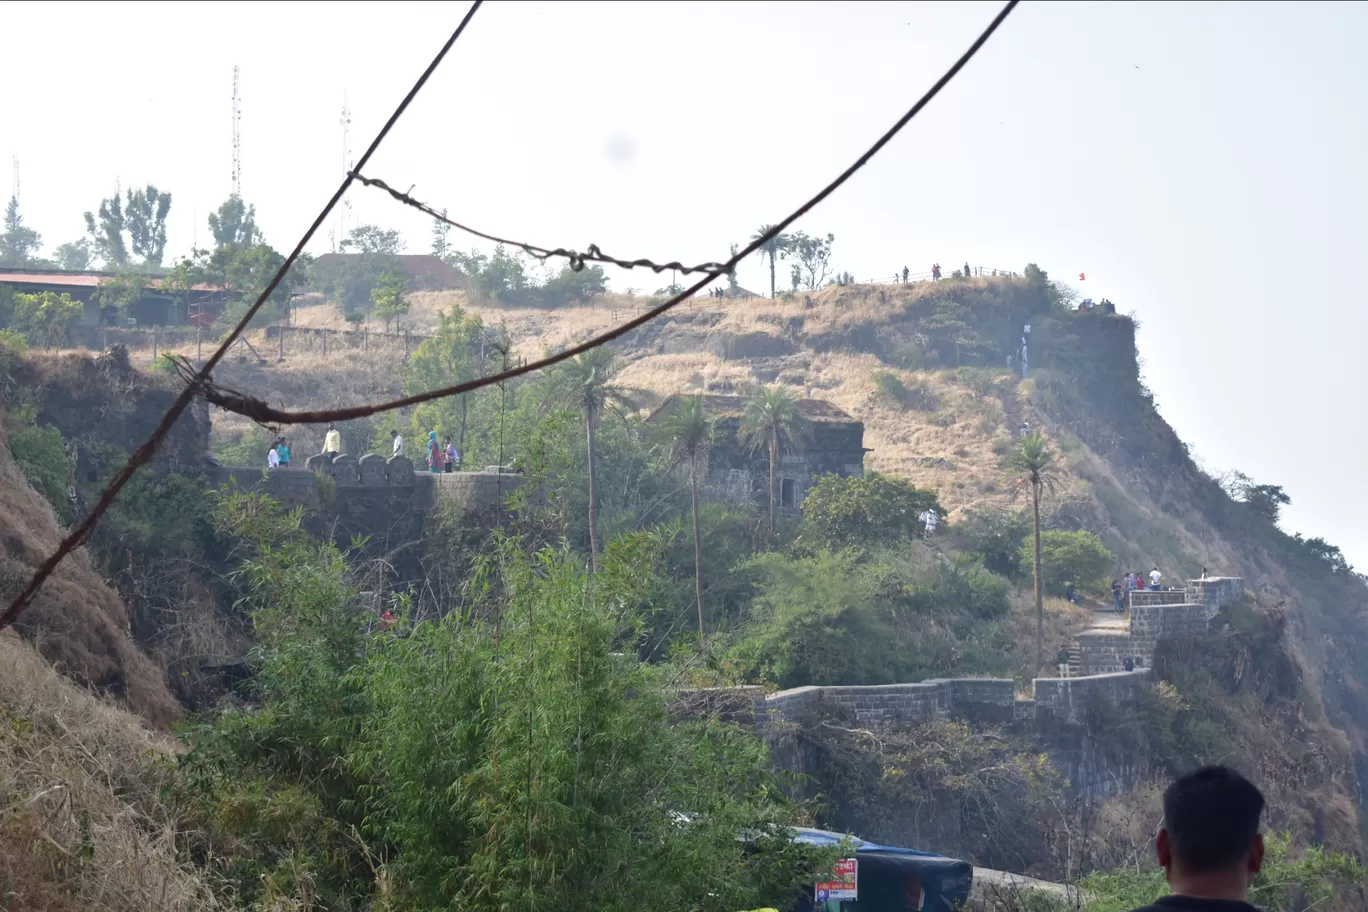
1054 714
383 501
1154 615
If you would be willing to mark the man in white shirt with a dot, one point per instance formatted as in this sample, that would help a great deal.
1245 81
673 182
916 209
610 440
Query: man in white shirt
398 444
332 443
272 458
1154 578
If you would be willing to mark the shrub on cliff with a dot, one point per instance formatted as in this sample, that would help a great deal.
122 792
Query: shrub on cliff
505 756
1077 557
841 512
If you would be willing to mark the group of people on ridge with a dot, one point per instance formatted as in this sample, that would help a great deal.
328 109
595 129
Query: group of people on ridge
440 457
278 456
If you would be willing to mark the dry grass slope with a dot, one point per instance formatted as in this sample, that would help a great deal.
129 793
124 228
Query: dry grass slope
76 622
81 827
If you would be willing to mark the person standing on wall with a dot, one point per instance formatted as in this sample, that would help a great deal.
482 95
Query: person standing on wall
396 444
1209 844
272 458
1155 576
283 451
332 443
434 453
453 456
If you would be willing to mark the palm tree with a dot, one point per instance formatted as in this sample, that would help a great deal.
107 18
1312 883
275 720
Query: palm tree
687 433
1036 461
772 419
588 385
774 248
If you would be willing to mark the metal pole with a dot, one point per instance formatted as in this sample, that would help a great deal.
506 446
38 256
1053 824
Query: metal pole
325 343
281 356
405 344
199 346
154 344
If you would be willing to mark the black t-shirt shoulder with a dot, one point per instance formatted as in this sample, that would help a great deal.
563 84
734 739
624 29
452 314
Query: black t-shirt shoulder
1196 904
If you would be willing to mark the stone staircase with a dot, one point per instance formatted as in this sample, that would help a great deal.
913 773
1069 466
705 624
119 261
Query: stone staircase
1151 614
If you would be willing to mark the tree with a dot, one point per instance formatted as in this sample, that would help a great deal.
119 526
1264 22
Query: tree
74 256
587 385
772 420
1077 557
145 214
456 351
569 285
813 256
373 239
776 248
561 781
17 244
234 224
390 297
142 216
1037 462
1264 499
441 244
687 433
871 510
44 318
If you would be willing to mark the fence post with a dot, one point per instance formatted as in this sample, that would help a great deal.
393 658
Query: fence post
325 343
199 346
281 356
405 344
365 339
154 345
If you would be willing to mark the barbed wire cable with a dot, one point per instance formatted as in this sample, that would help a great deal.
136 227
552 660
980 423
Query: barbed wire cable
263 413
577 259
198 381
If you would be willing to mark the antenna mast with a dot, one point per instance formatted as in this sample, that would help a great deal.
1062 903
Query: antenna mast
346 167
16 178
237 139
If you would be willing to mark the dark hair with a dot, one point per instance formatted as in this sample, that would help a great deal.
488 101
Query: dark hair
1212 817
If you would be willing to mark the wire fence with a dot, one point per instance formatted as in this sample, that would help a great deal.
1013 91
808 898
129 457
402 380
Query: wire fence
150 342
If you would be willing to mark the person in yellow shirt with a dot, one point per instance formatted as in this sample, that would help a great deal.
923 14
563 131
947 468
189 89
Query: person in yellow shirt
332 443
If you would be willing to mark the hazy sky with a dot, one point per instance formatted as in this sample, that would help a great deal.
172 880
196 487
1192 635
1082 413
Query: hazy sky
1203 164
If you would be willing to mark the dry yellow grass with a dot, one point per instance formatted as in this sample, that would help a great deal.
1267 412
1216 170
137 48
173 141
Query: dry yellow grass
81 826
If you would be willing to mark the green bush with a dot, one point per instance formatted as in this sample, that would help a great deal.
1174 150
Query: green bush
995 536
839 512
890 388
40 455
1077 557
506 756
815 624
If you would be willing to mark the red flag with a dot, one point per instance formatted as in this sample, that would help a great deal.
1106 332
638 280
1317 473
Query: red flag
1081 277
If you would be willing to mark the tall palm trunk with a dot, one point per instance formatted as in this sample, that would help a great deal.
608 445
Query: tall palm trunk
771 274
698 544
1039 597
773 463
593 492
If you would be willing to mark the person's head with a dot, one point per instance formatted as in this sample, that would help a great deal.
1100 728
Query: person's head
394 434
448 440
1209 844
331 426
1155 569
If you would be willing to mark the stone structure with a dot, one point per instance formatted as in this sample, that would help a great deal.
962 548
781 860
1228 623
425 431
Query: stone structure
1054 716
1155 614
738 474
381 500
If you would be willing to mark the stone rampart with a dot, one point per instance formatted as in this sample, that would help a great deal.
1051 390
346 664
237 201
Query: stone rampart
1214 593
1155 615
383 501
